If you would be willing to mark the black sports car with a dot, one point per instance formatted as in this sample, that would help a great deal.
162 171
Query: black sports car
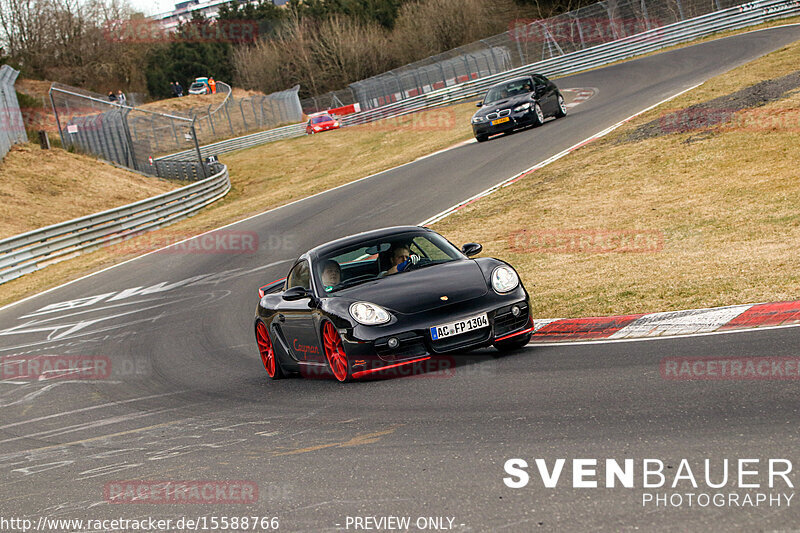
387 298
517 103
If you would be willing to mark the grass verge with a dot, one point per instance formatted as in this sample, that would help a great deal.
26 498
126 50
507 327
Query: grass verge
705 217
42 187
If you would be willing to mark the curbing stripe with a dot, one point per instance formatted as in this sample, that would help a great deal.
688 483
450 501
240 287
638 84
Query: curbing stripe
670 323
772 314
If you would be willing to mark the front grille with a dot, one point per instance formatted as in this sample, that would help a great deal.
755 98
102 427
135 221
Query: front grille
505 322
498 114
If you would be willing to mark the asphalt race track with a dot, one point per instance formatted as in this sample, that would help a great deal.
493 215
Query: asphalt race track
186 397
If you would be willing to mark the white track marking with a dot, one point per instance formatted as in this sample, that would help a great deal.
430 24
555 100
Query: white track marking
91 408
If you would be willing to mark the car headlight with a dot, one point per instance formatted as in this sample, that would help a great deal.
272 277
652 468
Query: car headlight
369 314
336 124
504 279
523 107
478 120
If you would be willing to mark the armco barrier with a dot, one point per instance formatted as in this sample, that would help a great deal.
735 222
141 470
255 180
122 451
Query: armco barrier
31 251
732 18
246 141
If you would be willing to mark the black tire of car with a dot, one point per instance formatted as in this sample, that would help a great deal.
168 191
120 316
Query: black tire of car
482 138
513 344
562 108
538 116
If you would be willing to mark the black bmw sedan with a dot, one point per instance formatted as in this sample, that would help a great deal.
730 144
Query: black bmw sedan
517 103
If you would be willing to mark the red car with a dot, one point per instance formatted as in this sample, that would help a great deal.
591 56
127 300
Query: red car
321 122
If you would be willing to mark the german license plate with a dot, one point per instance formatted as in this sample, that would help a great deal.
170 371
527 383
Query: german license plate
500 121
461 326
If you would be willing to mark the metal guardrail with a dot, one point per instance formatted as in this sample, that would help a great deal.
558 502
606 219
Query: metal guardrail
33 250
246 141
736 17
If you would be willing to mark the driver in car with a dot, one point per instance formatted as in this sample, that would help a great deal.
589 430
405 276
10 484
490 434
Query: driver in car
401 259
331 275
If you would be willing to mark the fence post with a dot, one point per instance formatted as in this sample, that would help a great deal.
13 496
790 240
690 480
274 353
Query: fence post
199 155
58 120
244 120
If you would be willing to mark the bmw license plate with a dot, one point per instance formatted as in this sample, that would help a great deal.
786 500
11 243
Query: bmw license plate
458 327
500 121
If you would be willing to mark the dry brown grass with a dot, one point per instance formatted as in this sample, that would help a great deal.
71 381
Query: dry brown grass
186 102
725 206
42 187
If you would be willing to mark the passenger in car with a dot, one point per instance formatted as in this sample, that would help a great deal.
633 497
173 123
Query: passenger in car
331 275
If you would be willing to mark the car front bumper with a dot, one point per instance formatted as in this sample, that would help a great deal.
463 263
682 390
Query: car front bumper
368 347
517 120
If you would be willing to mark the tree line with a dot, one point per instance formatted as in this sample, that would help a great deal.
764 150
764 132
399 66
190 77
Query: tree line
322 45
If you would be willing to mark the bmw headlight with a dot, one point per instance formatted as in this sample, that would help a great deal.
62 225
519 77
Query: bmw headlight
369 314
478 120
523 107
504 279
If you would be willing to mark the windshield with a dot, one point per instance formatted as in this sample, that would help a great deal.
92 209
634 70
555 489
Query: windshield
513 88
320 119
197 85
372 260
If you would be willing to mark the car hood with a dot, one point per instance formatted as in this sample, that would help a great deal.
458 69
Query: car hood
422 290
508 103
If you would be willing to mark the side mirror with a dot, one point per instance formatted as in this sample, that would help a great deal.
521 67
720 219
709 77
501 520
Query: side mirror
479 104
295 293
471 248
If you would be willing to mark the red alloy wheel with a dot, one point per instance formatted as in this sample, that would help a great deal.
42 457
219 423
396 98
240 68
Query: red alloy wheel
265 348
334 352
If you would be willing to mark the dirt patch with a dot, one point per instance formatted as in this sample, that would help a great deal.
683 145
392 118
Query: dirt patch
715 113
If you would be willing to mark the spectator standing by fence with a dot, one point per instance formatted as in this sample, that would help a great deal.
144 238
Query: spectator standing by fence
111 97
121 98
212 85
